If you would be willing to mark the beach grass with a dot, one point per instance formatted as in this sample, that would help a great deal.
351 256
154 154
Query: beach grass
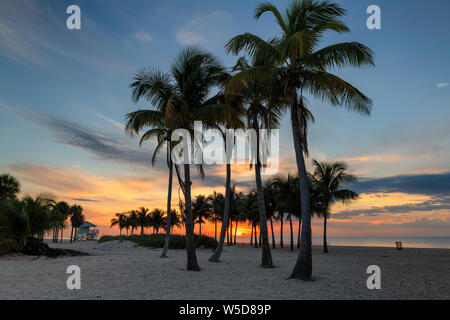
157 241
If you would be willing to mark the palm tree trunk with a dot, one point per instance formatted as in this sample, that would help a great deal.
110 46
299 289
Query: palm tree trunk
303 266
71 235
256 236
215 229
251 237
62 232
224 228
292 232
235 232
266 259
281 231
230 232
200 227
298 234
169 208
192 264
273 235
325 245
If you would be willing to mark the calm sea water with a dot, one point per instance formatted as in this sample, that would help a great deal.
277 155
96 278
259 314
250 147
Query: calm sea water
408 242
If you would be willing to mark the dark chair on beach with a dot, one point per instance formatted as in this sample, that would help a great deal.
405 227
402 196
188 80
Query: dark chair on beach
399 245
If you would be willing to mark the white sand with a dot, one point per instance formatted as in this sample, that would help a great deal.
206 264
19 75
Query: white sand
121 271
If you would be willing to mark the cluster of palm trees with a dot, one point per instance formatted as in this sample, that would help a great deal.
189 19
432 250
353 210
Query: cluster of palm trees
33 216
273 77
143 218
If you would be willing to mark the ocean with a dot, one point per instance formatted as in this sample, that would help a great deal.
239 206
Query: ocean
407 242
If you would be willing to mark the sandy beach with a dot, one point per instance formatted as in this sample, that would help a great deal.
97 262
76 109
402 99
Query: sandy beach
120 271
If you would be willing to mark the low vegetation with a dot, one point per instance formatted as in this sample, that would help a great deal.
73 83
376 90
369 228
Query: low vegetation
157 241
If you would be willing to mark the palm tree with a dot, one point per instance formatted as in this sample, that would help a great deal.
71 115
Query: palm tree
287 198
155 87
201 211
120 221
294 60
9 187
184 97
263 104
329 178
270 196
76 220
142 218
156 220
63 211
217 208
132 220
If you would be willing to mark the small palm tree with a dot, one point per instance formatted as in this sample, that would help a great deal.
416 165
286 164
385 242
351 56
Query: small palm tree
76 219
120 220
201 210
217 201
157 220
9 187
328 179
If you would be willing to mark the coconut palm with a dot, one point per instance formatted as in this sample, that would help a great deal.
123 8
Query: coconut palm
184 97
201 211
9 187
270 197
120 221
217 201
76 220
263 106
154 86
62 211
142 218
295 60
156 220
329 178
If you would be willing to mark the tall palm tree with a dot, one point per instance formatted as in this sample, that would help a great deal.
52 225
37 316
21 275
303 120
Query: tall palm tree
329 178
263 107
9 187
295 60
184 97
155 87
120 220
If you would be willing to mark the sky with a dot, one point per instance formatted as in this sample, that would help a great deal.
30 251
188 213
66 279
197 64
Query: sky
64 95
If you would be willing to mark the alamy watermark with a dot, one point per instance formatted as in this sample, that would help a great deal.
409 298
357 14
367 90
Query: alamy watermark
374 281
74 280
213 146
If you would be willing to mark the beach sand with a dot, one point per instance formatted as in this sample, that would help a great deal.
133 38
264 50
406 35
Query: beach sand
120 271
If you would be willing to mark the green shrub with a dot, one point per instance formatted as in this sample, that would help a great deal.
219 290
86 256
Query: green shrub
157 241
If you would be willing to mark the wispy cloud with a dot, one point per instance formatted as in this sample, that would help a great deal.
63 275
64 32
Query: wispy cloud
442 85
143 36
428 184
34 34
212 29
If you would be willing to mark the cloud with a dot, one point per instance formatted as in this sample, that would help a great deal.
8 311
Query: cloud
428 184
36 34
433 204
442 85
143 37
211 29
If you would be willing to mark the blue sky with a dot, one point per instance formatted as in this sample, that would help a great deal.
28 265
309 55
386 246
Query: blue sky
64 93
